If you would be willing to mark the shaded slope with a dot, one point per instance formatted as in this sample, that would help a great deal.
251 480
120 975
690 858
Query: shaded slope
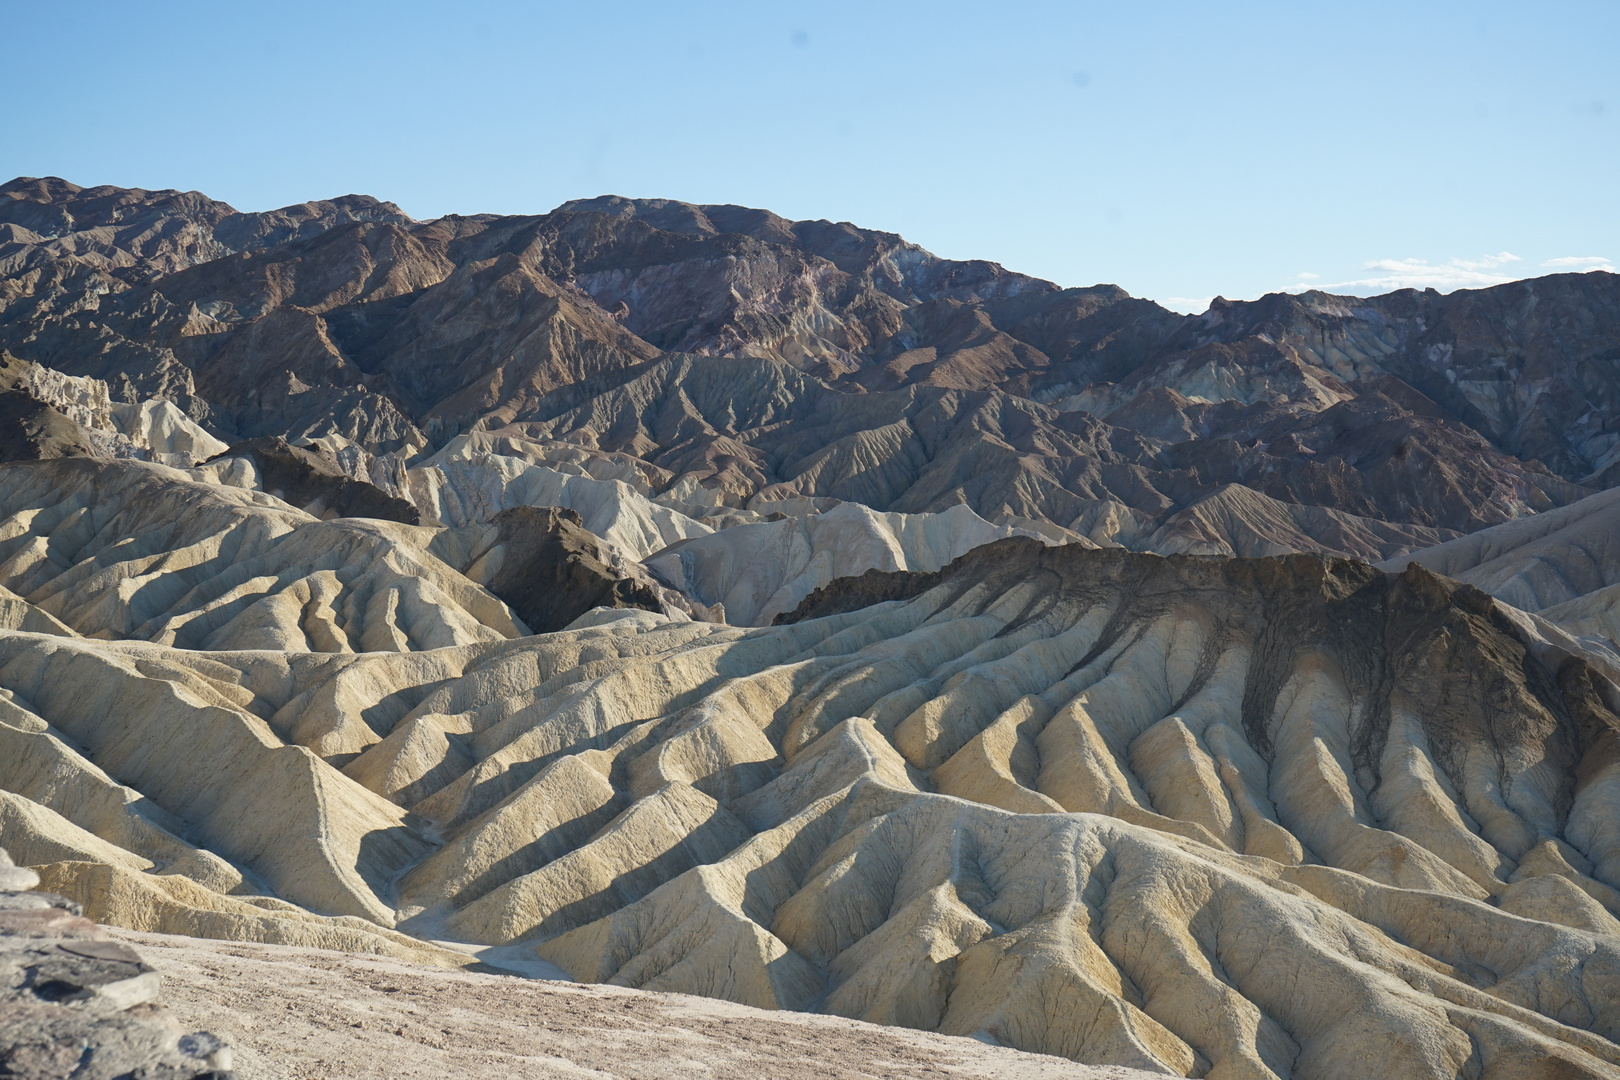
1537 562
312 481
550 570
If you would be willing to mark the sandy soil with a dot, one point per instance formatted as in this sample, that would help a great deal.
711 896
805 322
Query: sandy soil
309 1014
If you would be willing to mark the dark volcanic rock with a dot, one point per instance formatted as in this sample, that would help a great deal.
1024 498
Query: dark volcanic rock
31 430
550 569
313 480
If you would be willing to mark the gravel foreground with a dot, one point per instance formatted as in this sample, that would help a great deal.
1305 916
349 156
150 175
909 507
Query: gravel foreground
310 1014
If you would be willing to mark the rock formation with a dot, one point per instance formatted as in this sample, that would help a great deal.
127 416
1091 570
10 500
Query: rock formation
734 358
74 1003
1194 815
1537 562
551 570
140 551
758 571
50 415
308 1012
311 480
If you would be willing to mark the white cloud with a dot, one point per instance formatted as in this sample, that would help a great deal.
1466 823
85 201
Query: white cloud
1391 274
1388 275
1579 264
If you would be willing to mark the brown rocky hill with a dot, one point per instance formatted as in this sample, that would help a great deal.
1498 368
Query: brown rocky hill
756 358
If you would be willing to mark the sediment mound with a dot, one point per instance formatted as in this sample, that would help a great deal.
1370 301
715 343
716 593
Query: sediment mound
1198 816
130 550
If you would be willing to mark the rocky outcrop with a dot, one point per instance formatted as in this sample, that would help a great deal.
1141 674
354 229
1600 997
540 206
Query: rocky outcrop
31 430
310 479
549 569
1270 816
476 477
364 1018
51 415
74 1003
1188 814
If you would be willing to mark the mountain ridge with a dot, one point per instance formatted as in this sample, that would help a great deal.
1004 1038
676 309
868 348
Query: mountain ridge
697 601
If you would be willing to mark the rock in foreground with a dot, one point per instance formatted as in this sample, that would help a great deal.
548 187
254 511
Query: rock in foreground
74 1003
313 1013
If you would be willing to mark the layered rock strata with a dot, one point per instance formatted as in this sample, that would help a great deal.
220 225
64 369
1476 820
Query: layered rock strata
743 358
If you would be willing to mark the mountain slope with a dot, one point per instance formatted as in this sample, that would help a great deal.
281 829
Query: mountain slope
750 357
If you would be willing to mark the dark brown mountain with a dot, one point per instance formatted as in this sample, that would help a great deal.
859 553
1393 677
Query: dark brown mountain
764 358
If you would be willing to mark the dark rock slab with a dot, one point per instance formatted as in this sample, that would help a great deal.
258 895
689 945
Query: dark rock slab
314 481
550 569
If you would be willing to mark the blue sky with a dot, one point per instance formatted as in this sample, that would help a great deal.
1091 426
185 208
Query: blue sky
1178 150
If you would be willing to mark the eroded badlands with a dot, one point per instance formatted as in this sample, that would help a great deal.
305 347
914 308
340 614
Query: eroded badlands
1276 817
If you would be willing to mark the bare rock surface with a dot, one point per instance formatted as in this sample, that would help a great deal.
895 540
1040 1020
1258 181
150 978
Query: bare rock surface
1537 562
307 1013
728 349
474 479
76 1003
545 565
312 480
131 550
758 570
51 415
991 772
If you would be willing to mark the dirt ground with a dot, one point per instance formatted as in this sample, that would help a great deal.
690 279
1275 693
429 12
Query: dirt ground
309 1014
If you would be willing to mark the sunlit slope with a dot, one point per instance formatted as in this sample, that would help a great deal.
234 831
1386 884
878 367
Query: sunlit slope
1207 817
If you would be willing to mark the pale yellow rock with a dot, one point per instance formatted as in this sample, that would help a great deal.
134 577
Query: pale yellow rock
544 820
656 838
34 835
1207 817
167 905
167 559
999 765
51 776
1555 899
18 614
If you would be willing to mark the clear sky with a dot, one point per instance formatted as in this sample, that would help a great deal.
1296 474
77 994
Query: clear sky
1180 150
